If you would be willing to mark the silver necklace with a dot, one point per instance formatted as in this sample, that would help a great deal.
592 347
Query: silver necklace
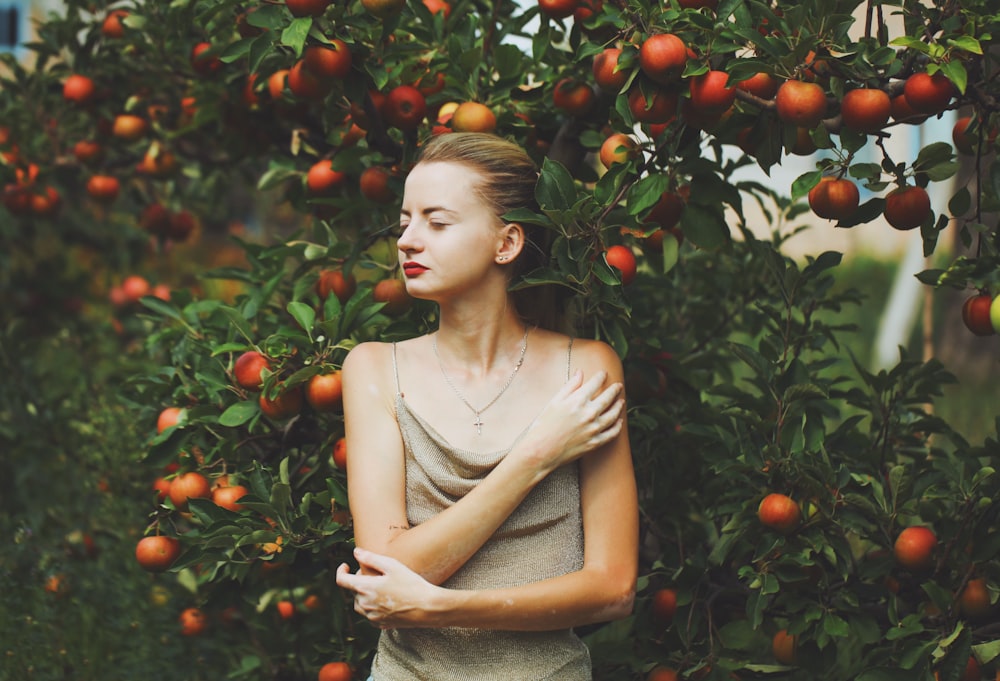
510 379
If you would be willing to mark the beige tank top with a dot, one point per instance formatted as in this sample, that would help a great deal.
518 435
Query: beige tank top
543 538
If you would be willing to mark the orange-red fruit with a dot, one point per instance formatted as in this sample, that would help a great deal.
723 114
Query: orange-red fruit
405 107
393 293
976 314
623 260
324 392
374 185
322 179
168 418
157 553
662 57
666 212
914 548
604 68
193 622
286 609
660 107
129 127
336 282
801 103
204 64
710 94
572 96
779 512
103 188
865 109
335 671
286 405
306 84
907 207
834 198
473 117
617 148
664 605
228 497
661 673
340 453
247 370
112 27
87 151
975 598
762 85
928 94
190 485
307 8
783 647
558 9
135 287
328 61
79 89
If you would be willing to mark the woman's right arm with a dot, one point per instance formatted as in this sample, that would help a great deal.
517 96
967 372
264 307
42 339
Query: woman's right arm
582 416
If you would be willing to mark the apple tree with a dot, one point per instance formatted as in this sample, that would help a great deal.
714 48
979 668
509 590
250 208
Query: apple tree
142 135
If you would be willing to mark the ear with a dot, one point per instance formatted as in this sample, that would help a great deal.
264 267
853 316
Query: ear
511 243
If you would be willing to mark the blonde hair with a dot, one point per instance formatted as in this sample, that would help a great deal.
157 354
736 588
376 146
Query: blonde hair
506 182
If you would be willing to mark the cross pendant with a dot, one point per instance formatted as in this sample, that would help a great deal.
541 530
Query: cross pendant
478 424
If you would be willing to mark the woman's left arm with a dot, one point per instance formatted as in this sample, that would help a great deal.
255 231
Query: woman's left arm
602 590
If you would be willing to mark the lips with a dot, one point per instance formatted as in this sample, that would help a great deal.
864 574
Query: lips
412 269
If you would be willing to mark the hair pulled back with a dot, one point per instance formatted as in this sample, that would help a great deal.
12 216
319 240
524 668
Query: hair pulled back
506 180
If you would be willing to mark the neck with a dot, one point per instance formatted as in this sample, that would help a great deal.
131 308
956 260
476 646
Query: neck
480 339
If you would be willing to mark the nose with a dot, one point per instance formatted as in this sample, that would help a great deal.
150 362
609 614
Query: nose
408 241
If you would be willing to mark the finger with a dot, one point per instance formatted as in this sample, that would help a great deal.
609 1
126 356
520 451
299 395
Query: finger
607 397
594 384
345 578
375 561
571 384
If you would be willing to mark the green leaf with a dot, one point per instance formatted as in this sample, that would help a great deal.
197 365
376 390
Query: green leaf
237 50
239 322
960 203
671 251
803 183
304 314
646 192
555 190
706 228
955 70
295 34
238 414
804 391
967 43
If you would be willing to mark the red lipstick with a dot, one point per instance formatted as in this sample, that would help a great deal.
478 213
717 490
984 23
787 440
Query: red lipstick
413 269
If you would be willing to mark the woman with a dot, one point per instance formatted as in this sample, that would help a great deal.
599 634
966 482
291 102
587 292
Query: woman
491 480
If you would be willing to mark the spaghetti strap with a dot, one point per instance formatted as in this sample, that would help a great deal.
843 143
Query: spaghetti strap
569 359
395 369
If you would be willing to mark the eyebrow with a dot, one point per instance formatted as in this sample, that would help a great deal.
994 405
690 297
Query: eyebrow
429 210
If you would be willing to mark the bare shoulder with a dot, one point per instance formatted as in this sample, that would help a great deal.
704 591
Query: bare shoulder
594 355
365 356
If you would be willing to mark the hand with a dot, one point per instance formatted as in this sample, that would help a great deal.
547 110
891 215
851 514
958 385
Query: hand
387 593
578 419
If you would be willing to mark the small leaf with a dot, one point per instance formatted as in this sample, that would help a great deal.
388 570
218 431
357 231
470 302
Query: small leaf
956 73
238 414
304 314
803 183
671 251
295 34
555 189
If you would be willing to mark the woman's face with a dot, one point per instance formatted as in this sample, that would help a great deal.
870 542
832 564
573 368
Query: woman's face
450 237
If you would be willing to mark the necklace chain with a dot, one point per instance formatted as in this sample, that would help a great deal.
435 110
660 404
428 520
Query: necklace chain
510 379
